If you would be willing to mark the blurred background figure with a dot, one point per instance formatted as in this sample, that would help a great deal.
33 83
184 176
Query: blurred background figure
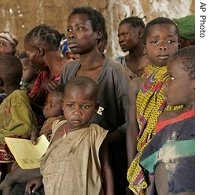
8 43
186 26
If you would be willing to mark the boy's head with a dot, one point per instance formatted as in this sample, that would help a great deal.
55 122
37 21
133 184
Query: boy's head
161 40
130 32
181 84
29 69
8 43
80 100
10 70
39 40
53 104
86 27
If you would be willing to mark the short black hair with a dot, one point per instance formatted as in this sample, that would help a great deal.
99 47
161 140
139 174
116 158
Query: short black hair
96 18
187 55
134 21
159 20
83 81
10 68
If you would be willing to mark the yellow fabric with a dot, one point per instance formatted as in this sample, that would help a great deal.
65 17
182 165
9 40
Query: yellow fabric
16 115
150 102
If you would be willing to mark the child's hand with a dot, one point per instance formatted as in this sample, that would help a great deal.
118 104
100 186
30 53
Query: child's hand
32 134
50 85
33 185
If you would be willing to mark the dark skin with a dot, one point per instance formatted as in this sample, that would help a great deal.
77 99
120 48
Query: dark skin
161 43
80 102
180 91
43 56
130 41
84 41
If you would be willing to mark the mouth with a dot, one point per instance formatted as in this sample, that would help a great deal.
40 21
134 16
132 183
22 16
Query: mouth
123 47
72 44
163 57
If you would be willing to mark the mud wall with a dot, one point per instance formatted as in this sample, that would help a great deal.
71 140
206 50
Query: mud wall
20 16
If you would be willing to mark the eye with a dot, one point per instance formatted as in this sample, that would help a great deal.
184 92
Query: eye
154 41
172 78
69 29
171 41
85 107
70 105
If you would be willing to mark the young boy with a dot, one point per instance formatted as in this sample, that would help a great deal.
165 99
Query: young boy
76 161
16 115
146 96
174 143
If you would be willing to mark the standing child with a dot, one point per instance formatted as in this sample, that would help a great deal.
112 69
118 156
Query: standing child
76 161
174 143
146 96
16 115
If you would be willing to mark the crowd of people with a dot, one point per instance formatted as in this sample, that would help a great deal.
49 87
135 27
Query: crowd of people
121 126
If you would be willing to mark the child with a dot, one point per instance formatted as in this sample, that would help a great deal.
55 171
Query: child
76 161
146 96
86 27
30 72
52 111
174 143
130 32
16 115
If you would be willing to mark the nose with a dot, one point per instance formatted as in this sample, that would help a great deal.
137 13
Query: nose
76 110
71 34
162 46
120 39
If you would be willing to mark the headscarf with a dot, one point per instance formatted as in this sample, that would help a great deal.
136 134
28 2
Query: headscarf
186 26
8 36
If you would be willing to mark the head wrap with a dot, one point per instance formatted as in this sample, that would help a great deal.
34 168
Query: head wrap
8 36
186 26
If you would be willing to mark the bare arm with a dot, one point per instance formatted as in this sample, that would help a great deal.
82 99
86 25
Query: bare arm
107 177
132 131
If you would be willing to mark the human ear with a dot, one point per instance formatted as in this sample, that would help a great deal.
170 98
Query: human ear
141 33
40 51
100 34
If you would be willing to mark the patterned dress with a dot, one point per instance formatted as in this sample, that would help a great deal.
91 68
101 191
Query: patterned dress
150 102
